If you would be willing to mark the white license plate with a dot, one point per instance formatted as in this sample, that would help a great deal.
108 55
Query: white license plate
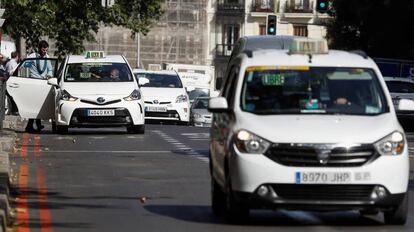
156 109
101 112
322 177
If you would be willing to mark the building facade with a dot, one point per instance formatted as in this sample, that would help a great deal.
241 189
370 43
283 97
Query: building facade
232 19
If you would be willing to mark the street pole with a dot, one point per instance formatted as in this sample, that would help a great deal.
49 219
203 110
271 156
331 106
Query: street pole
3 78
138 38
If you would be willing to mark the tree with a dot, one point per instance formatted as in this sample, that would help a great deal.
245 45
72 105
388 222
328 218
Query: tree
71 22
382 28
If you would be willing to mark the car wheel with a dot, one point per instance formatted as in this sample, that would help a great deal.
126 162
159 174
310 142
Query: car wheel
62 129
398 215
218 199
236 212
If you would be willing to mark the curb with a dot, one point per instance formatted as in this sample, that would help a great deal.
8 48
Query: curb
8 136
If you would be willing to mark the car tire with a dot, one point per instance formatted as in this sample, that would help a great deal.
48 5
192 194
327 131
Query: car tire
398 215
62 129
236 212
218 199
136 129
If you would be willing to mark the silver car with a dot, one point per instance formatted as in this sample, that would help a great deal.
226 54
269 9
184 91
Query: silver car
199 115
401 88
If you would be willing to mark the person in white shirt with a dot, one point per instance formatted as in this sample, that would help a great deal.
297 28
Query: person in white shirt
41 69
12 64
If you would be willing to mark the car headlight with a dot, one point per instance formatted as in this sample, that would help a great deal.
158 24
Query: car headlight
181 98
196 115
135 95
247 142
65 96
392 144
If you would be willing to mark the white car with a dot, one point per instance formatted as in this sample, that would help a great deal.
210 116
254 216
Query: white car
90 91
164 95
311 129
401 88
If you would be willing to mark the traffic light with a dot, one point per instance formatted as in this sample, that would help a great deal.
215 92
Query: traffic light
271 24
322 6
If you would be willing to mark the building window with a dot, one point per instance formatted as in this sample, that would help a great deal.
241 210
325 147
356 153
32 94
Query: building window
262 29
300 30
231 35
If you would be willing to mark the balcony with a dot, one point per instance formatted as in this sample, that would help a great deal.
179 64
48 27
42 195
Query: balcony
230 8
294 6
267 6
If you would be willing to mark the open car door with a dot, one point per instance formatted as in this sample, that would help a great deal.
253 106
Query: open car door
28 88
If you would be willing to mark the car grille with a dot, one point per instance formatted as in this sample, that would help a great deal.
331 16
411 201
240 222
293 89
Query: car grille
80 117
168 114
100 104
323 192
316 156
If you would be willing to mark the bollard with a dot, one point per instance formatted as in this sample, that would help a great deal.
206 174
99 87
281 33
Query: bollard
3 78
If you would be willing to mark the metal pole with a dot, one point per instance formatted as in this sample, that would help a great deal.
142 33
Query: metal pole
138 38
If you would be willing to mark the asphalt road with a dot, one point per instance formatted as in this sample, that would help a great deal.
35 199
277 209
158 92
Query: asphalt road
107 180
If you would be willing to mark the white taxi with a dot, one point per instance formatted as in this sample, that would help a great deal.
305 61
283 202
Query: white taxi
165 96
93 90
307 128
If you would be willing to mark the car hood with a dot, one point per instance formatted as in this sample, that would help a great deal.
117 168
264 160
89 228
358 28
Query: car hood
200 111
99 89
161 93
319 128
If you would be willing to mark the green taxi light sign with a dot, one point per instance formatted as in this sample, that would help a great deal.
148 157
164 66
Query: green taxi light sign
94 54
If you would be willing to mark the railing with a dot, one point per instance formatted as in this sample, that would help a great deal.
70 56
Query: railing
304 6
224 50
230 7
263 6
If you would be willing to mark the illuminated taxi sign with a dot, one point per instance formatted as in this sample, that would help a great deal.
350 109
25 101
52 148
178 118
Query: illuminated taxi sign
264 68
94 54
308 46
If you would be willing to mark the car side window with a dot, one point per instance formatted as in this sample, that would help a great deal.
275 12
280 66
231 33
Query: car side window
230 86
36 68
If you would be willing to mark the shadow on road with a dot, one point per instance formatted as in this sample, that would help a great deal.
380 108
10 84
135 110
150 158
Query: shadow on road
203 214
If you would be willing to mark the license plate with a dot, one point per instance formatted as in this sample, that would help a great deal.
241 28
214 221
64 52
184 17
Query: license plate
322 177
101 112
156 109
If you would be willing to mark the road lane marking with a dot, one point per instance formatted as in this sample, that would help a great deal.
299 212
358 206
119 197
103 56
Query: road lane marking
86 151
44 212
25 142
22 202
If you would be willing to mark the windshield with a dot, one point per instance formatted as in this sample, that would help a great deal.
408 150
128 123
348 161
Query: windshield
198 92
157 80
308 90
98 72
400 87
200 104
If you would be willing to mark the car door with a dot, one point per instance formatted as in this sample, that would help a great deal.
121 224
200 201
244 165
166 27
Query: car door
32 95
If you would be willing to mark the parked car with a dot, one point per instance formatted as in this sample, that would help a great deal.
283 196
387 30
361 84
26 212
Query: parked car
199 115
93 90
401 88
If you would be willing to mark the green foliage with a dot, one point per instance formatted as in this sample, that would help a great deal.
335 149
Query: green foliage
70 22
382 28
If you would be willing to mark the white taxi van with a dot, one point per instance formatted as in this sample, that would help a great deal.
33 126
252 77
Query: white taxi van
165 96
93 90
307 128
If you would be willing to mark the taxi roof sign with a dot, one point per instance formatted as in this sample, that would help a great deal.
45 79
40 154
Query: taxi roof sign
308 46
94 54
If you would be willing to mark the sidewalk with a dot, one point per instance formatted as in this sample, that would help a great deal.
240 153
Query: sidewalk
8 136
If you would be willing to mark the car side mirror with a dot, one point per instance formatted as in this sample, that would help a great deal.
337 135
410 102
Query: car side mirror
53 81
218 105
405 105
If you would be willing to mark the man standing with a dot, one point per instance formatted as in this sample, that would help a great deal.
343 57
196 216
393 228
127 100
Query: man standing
41 69
12 64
